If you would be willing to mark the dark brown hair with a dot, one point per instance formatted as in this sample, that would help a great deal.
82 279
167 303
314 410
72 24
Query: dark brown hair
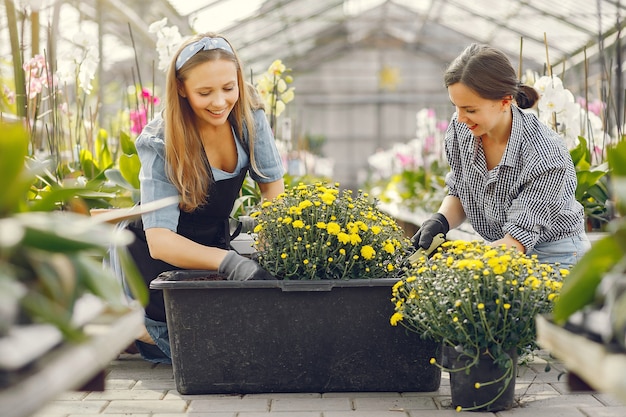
489 72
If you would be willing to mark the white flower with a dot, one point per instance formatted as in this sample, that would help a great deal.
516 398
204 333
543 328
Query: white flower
87 70
552 100
168 41
544 82
156 27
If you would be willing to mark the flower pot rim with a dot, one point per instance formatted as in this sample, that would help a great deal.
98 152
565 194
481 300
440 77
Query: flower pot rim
174 280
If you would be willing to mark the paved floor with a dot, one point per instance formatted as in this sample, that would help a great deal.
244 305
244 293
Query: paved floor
138 388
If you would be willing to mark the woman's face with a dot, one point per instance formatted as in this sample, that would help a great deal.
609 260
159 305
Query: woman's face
481 115
212 91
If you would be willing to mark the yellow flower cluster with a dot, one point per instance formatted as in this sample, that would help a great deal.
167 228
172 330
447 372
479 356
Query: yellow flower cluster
477 296
319 232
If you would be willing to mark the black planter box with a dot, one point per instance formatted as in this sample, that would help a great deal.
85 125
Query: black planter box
291 336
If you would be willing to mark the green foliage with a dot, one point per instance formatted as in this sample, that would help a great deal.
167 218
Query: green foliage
126 175
55 255
592 189
605 255
417 188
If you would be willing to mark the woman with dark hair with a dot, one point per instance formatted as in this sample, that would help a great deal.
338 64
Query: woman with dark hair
510 176
211 133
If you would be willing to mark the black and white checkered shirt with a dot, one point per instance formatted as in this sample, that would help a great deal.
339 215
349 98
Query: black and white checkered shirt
529 194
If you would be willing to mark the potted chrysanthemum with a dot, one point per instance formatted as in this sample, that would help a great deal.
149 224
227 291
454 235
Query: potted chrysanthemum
480 301
321 326
319 232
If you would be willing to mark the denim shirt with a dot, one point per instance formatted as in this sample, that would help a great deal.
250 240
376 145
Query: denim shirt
530 194
156 185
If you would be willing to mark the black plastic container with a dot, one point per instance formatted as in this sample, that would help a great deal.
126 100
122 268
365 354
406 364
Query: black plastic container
290 336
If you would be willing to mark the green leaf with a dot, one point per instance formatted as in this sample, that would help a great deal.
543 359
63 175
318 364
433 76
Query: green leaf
56 276
115 176
14 180
46 310
617 158
88 164
579 287
133 277
102 148
68 232
128 146
130 165
99 281
580 154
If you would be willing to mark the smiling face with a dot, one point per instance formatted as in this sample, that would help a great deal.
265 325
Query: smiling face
482 116
212 90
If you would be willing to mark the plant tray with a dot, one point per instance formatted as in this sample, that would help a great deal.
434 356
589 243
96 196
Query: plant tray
290 336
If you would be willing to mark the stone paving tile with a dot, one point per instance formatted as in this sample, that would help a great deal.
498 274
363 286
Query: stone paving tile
115 415
277 395
311 404
283 414
535 388
195 415
175 395
359 394
118 394
395 404
205 414
229 404
448 413
156 384
141 374
112 383
136 388
38 414
619 411
571 400
72 396
552 411
442 391
608 400
73 407
358 413
145 406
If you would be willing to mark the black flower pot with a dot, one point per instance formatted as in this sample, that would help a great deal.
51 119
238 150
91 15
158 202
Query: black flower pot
484 386
291 336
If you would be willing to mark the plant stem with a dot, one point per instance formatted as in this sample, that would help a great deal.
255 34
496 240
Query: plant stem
18 72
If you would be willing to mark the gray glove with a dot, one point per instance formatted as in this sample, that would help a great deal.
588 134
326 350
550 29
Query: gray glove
429 229
240 268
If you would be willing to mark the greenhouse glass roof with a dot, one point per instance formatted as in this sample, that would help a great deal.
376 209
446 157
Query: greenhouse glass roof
292 28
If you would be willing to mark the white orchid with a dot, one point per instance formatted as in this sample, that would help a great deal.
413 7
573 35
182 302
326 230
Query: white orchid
168 41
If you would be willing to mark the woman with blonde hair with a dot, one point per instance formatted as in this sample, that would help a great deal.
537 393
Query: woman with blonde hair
211 133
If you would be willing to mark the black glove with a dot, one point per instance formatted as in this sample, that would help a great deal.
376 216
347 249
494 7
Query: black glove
429 229
240 268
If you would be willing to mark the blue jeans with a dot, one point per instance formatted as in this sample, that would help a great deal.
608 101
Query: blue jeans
159 353
566 251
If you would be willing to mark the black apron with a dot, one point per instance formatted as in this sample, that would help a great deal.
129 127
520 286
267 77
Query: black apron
207 225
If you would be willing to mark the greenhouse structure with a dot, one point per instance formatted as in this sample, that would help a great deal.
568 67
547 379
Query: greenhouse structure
356 105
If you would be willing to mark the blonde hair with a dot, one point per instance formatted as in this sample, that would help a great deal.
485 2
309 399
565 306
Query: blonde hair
184 154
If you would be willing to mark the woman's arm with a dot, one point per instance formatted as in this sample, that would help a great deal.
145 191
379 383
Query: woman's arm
452 209
510 242
179 251
270 190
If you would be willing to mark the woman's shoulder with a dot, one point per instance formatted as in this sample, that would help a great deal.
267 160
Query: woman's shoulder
152 135
543 144
538 133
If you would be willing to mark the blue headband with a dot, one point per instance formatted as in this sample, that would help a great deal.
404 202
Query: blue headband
205 44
